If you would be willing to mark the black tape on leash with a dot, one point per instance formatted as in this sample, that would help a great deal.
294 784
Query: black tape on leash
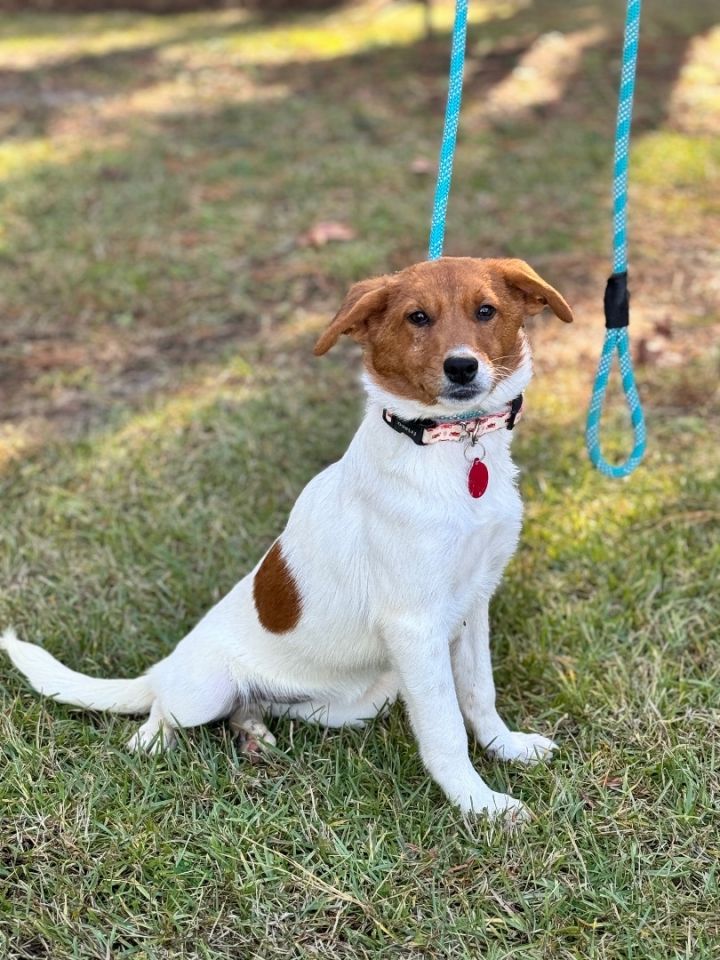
617 301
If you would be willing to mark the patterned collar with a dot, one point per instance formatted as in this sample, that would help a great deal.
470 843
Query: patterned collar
425 432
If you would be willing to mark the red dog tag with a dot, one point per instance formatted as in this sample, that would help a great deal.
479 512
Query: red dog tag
478 479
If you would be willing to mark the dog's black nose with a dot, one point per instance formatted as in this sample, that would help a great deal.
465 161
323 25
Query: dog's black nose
460 369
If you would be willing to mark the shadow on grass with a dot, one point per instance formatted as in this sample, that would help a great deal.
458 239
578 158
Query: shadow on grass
190 216
494 48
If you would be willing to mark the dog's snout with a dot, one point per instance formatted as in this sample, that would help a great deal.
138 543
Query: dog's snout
460 369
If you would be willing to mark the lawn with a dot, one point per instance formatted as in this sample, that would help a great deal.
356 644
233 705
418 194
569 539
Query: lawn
161 286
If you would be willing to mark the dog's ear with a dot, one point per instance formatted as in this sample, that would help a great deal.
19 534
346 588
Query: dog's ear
363 301
538 293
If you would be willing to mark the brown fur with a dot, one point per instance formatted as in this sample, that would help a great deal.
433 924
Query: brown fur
407 360
277 598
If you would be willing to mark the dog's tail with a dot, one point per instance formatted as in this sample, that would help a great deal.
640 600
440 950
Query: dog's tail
49 677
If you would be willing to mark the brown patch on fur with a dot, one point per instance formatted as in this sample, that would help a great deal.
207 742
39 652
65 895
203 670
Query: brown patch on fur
277 598
408 360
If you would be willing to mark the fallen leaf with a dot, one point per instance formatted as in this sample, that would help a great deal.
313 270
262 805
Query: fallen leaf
422 165
326 231
663 328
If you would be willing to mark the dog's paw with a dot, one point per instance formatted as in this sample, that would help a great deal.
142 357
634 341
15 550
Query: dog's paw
151 740
510 811
481 801
251 735
522 747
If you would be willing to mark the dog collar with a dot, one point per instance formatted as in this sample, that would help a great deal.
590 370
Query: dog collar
469 427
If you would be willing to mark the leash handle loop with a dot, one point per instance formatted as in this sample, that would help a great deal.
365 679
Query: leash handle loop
617 298
616 339
449 137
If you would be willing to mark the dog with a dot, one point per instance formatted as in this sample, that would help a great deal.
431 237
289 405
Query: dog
379 585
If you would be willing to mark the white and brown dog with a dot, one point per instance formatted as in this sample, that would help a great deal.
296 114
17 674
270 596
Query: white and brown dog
380 583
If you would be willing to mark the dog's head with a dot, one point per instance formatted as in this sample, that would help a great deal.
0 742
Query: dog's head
447 334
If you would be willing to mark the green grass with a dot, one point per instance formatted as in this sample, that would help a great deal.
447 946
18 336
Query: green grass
161 411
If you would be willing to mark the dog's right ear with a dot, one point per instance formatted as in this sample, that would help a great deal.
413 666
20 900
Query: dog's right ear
538 292
363 301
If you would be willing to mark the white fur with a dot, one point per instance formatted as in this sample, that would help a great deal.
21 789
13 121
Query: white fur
396 565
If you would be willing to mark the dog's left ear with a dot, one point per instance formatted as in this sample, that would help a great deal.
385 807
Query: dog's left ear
363 301
538 293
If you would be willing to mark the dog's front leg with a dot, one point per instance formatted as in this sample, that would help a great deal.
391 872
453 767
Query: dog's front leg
424 666
472 667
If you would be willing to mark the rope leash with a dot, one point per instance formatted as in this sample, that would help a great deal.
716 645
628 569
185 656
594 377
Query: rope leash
449 137
617 297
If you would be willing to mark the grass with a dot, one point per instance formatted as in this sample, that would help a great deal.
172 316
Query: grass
161 411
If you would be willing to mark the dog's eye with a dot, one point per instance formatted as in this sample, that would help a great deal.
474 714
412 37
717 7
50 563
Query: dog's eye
418 318
485 312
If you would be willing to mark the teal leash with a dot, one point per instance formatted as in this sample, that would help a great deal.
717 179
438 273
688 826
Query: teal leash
449 137
447 147
617 296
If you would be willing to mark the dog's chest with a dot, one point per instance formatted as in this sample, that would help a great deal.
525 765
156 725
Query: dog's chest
474 528
432 528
